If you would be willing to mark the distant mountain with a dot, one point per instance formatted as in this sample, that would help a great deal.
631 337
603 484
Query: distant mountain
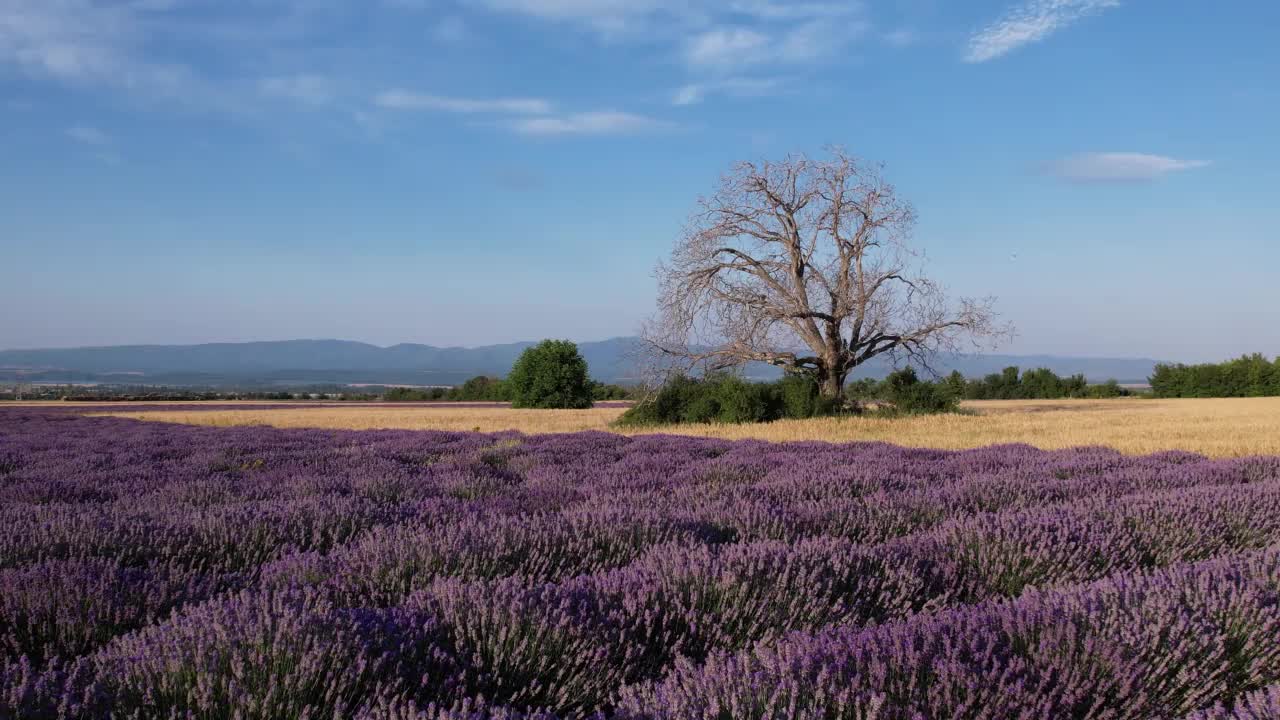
288 362
295 362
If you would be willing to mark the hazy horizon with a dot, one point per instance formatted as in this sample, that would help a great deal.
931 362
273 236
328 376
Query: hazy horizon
580 340
469 173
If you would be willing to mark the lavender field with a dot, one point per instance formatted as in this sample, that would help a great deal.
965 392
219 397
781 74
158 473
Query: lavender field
150 570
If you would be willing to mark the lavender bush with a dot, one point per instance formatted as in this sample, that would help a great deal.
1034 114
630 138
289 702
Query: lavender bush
151 570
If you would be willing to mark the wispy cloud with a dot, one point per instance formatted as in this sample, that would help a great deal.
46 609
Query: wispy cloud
525 116
738 87
306 89
100 144
588 123
1119 167
610 17
1029 23
726 49
84 41
407 100
618 17
88 135
768 10
230 56
711 35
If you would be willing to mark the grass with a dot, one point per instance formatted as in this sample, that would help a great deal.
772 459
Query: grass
1218 428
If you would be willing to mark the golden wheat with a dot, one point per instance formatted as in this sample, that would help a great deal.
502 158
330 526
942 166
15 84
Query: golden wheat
1219 428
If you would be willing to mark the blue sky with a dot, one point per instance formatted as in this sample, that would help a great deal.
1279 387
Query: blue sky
477 171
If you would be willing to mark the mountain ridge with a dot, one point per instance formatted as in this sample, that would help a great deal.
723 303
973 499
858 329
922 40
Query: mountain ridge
275 362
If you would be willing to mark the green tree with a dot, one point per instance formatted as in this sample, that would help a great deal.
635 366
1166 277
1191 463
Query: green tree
1246 376
551 374
955 385
910 395
481 389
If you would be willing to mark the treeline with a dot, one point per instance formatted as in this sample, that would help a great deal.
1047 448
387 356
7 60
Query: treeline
904 388
1037 384
726 398
477 389
484 388
1247 376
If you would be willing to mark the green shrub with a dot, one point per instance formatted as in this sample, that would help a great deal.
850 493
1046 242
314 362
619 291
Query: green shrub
403 394
1108 389
728 399
800 397
745 402
862 390
703 407
482 389
907 394
717 398
551 374
608 391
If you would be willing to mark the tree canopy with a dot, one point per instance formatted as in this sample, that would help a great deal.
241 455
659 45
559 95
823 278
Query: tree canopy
551 374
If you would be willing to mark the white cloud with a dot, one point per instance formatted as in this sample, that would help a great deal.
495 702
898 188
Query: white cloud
738 87
726 47
613 17
84 41
818 40
711 35
606 16
230 56
406 100
1029 23
305 89
88 135
689 95
766 10
530 116
1119 167
587 123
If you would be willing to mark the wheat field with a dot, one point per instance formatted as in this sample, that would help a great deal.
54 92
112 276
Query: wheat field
1217 428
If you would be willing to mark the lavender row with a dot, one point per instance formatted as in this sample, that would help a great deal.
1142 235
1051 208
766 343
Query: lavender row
1260 705
569 647
200 492
161 571
963 560
102 460
1128 647
566 647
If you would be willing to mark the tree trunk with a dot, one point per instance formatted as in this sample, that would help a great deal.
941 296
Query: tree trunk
831 384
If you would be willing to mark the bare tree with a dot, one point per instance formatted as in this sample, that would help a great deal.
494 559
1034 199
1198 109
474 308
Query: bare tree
805 264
